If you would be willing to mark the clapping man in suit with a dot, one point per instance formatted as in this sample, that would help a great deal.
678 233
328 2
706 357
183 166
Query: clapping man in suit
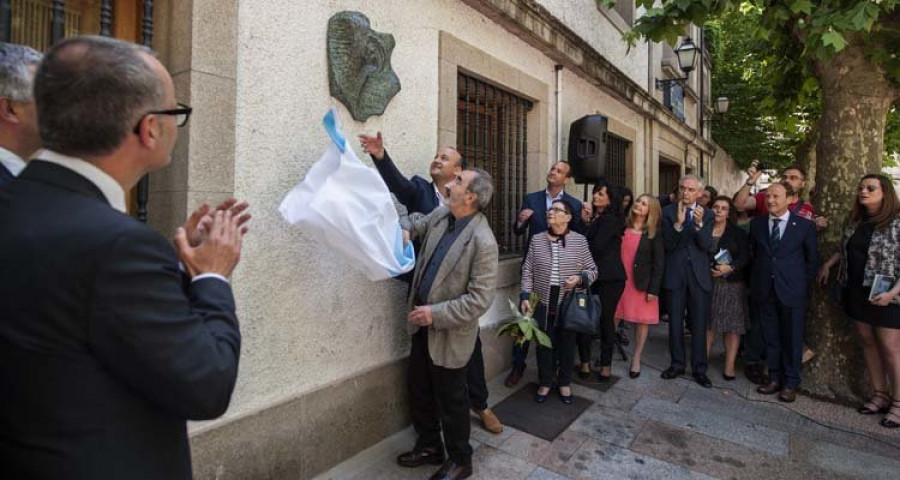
18 116
453 285
422 196
106 346
687 232
785 262
532 218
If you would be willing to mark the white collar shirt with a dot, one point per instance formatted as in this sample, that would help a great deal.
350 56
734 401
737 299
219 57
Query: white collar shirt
107 185
12 162
551 199
782 224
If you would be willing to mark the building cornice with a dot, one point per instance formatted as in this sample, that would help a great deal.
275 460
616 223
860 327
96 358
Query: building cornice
535 25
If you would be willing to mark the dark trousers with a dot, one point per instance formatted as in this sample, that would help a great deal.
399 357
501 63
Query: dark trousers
783 329
610 293
754 341
438 399
478 391
697 302
520 353
560 359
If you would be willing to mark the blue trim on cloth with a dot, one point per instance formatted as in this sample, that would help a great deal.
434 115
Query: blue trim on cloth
334 131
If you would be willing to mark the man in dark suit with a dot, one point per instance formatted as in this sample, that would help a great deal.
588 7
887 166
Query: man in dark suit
452 287
532 218
687 230
422 196
18 116
785 262
106 347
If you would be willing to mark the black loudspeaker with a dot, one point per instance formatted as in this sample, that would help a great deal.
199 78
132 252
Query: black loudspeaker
587 148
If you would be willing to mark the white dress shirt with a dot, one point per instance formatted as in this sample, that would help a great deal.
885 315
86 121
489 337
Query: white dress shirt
12 162
107 185
782 225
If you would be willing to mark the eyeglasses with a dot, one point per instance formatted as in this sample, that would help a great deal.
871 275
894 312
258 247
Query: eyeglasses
557 210
870 188
182 114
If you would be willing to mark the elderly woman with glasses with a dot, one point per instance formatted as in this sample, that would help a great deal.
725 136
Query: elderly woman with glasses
871 247
557 261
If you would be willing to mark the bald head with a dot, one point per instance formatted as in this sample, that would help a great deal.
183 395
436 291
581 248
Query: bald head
91 91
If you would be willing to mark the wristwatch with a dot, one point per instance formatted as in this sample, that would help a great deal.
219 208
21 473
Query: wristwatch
748 183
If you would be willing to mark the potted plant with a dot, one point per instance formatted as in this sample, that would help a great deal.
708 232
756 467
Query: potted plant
523 328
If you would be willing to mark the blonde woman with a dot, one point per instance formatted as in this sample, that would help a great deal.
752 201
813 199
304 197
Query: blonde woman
644 258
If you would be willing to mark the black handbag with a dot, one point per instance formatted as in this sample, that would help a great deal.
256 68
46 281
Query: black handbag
580 312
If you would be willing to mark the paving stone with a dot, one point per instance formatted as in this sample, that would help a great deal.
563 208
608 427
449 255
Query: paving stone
718 458
596 460
618 399
562 449
387 469
544 474
492 464
525 446
493 439
849 462
651 385
608 425
719 426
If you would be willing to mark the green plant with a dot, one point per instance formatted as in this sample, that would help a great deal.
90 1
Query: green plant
523 328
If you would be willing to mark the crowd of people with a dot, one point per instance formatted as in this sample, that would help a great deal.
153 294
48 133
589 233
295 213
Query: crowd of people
137 336
737 267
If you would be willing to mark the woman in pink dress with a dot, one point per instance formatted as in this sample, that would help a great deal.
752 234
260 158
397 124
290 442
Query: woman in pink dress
644 257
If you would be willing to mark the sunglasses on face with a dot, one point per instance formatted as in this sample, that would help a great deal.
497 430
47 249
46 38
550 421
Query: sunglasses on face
869 188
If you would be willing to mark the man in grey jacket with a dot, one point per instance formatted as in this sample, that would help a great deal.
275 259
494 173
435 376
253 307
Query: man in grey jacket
452 287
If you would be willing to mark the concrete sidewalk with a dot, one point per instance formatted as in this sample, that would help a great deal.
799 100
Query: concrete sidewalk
654 428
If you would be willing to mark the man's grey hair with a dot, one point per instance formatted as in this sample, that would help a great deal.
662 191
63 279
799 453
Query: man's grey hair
15 79
699 180
482 186
91 92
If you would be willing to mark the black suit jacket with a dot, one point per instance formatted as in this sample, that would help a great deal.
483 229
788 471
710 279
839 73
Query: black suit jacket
537 223
416 193
737 243
649 263
604 237
6 177
687 246
789 268
105 351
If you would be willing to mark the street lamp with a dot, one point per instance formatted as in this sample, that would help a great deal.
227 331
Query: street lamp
686 53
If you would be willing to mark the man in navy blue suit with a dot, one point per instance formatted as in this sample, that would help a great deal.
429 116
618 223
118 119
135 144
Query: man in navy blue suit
532 218
18 114
420 195
687 232
785 262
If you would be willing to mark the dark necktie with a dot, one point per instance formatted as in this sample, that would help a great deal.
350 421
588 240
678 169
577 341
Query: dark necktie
775 238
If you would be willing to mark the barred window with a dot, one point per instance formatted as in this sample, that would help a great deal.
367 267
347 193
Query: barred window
616 159
492 130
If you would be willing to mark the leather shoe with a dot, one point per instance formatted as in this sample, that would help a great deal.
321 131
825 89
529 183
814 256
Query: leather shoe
672 372
420 456
514 376
633 374
702 380
769 389
451 470
787 395
489 421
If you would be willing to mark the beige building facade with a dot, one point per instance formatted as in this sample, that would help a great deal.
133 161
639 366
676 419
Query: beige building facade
322 373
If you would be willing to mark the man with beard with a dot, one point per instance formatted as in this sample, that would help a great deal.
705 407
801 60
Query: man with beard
421 196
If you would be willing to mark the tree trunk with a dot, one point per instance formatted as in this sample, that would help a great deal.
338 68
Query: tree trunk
856 99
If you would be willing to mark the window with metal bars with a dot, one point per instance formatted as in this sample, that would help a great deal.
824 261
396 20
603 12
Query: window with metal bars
492 131
616 160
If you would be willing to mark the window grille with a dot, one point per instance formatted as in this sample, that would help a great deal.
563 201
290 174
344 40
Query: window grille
492 132
616 160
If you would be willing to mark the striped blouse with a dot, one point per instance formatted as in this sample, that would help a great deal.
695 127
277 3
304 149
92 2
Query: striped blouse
573 259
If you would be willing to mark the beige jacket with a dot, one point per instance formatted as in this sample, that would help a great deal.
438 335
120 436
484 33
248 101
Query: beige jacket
463 288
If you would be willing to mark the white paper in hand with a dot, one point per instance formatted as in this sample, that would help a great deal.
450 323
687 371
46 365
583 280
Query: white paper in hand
345 206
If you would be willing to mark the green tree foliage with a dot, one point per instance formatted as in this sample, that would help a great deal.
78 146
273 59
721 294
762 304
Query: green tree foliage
770 75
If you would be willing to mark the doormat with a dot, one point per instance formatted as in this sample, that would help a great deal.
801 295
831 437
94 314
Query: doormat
543 420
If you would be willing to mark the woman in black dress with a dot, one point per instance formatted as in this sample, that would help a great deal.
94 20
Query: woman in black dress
604 234
871 247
